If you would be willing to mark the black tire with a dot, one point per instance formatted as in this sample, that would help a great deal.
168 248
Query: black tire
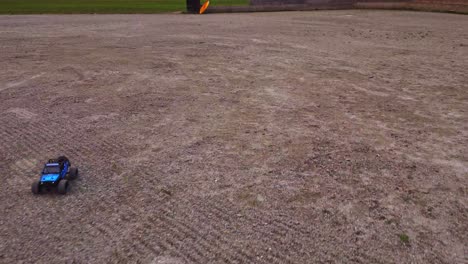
36 187
63 186
63 159
72 174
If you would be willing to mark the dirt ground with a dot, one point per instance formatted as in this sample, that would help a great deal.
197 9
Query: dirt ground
300 137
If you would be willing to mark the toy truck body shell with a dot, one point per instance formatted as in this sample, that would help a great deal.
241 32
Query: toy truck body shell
55 175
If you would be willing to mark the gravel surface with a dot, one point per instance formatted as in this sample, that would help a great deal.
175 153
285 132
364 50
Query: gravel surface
300 137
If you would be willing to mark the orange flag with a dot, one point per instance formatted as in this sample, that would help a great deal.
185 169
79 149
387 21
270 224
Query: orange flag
204 7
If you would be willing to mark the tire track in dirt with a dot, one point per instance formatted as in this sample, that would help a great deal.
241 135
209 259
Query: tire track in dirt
224 218
176 233
277 227
12 141
35 143
180 240
219 224
21 152
4 139
204 243
47 139
214 233
135 236
115 233
212 240
78 147
145 244
31 141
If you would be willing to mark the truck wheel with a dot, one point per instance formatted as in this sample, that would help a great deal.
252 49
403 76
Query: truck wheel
63 159
63 187
72 174
36 187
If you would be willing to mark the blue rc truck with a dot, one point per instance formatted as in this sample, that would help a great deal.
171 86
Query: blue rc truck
55 175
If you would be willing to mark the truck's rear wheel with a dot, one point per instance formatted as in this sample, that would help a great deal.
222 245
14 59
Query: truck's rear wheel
63 187
72 174
36 187
63 159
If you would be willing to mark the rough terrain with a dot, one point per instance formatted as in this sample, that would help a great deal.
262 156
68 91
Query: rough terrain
300 137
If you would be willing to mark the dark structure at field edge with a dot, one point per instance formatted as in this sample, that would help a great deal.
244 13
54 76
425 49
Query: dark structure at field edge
457 6
193 6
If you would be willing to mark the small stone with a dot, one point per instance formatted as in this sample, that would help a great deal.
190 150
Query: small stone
260 198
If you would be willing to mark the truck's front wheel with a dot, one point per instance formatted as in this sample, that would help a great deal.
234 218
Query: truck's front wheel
36 187
72 174
63 187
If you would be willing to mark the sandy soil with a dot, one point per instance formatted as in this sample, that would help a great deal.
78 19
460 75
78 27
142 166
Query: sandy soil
299 137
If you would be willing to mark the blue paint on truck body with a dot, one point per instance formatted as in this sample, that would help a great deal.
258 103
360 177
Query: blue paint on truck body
54 171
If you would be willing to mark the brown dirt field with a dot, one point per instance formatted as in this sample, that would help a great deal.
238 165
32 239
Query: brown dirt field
300 137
